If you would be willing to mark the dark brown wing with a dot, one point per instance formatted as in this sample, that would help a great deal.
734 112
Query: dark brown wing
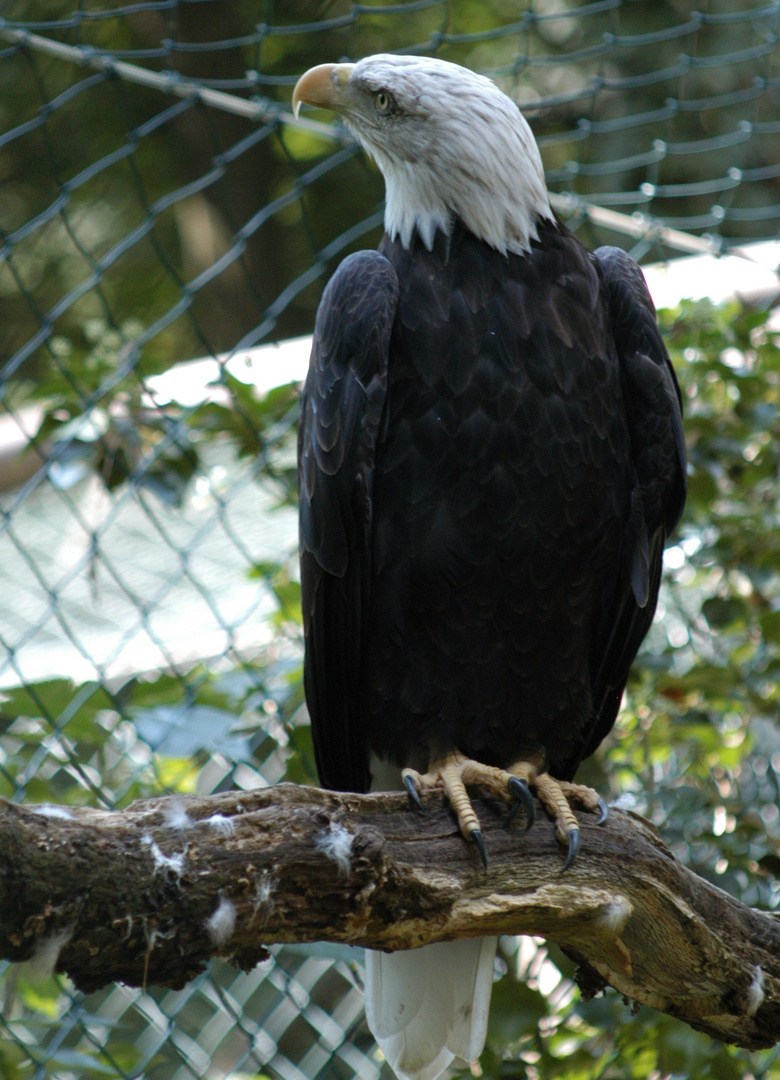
654 406
341 412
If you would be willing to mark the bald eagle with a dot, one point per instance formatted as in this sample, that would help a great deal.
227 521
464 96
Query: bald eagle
491 458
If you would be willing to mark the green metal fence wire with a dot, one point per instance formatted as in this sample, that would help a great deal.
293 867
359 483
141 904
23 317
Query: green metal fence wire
159 203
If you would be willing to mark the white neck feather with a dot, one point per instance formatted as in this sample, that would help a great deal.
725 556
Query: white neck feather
503 212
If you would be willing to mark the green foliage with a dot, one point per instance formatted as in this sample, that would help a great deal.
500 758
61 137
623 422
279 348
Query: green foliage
101 417
77 744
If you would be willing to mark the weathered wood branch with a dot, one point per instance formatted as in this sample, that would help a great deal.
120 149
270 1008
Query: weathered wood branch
148 894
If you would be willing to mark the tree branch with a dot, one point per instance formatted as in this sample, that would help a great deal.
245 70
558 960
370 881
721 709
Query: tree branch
149 894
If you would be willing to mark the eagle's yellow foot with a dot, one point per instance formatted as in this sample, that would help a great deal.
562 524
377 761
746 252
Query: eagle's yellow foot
556 796
454 773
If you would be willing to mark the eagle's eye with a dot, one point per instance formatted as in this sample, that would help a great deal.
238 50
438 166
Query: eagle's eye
383 101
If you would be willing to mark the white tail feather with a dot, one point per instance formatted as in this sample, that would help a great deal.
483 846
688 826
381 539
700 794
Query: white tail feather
428 1006
425 1007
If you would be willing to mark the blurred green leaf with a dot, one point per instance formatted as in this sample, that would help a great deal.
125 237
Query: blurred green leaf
721 611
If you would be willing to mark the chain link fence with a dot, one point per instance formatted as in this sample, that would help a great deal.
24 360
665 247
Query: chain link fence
166 224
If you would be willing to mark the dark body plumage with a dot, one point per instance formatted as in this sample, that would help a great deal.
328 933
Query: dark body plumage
491 458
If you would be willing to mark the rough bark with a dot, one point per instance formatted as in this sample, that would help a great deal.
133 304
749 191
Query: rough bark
149 894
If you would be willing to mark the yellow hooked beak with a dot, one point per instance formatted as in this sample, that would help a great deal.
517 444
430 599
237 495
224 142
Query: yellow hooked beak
322 86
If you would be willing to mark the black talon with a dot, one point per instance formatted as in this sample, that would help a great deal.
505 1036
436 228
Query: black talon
574 847
476 836
414 794
603 812
523 797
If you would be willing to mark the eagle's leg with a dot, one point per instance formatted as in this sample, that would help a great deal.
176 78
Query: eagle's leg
454 773
556 796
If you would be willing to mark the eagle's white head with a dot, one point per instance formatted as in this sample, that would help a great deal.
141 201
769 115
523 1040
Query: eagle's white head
449 143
